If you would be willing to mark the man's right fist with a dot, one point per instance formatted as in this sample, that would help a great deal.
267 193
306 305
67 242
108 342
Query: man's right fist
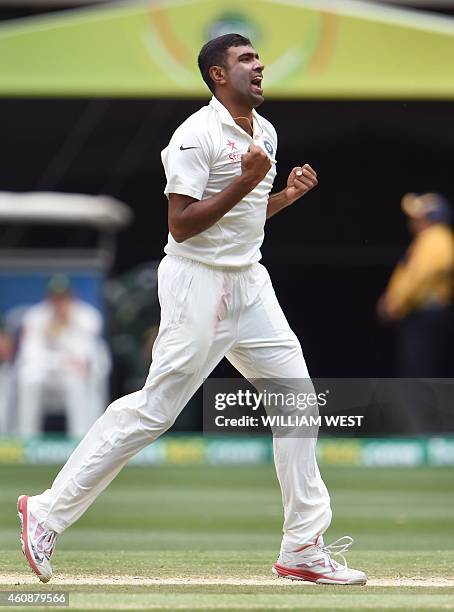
255 165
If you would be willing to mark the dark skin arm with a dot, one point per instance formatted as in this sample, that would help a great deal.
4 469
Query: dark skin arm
189 217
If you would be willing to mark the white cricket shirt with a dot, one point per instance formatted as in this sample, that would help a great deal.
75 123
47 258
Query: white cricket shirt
202 158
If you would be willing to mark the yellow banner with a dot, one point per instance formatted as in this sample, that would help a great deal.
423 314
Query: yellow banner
310 49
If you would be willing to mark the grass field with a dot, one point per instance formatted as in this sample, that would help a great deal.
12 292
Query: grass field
204 538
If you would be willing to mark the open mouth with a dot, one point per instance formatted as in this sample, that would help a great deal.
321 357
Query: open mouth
256 85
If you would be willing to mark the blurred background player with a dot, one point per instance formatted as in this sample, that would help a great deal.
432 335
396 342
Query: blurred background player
60 361
419 296
6 355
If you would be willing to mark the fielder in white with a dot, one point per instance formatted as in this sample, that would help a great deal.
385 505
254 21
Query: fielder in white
59 351
216 300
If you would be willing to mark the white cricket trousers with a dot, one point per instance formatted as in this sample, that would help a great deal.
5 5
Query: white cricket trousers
206 313
33 382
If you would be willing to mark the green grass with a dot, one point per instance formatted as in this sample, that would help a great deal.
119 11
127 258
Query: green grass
205 522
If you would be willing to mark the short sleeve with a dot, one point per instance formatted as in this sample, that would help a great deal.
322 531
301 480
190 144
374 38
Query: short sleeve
186 162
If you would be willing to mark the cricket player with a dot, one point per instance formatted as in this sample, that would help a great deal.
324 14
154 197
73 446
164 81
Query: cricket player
58 351
216 300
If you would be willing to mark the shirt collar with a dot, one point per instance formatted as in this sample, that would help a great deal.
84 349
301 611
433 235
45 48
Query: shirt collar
227 118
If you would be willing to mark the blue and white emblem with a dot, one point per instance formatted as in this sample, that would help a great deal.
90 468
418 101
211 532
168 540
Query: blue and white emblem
268 147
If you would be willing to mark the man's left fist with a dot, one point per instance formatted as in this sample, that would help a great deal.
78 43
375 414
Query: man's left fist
300 180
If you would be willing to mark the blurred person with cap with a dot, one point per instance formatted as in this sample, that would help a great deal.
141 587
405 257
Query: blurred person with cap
57 350
420 293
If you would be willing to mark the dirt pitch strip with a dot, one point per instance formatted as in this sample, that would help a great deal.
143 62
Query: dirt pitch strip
90 580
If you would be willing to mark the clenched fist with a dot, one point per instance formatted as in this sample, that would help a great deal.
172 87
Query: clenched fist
301 180
255 165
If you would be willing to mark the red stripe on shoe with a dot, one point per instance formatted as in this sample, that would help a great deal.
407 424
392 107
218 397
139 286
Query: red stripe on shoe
303 548
22 507
303 574
309 544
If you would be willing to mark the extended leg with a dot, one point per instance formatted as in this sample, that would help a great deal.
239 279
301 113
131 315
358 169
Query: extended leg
268 349
189 345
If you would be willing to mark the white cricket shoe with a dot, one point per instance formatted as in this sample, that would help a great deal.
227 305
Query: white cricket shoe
314 563
38 543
